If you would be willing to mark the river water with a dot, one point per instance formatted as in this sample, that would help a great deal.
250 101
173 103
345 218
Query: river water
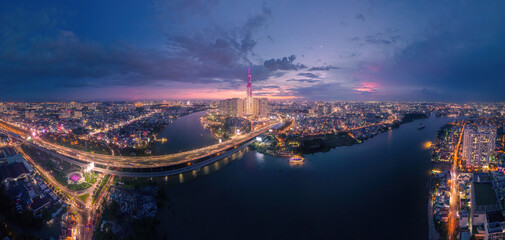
374 190
184 134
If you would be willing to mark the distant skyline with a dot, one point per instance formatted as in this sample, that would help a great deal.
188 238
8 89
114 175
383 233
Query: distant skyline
324 50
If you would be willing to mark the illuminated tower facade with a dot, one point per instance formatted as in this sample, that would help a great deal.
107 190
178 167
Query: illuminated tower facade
249 99
478 146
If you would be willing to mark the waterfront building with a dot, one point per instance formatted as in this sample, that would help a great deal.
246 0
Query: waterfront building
478 146
233 107
255 107
249 99
260 108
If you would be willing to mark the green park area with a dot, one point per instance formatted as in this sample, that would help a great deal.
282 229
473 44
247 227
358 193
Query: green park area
59 169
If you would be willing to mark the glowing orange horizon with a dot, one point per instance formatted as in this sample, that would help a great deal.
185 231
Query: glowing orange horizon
367 87
218 94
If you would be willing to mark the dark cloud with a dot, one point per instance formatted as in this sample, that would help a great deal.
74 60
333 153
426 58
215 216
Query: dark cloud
323 68
34 51
286 63
309 75
462 57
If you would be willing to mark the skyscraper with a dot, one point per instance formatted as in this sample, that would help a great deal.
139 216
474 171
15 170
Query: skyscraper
478 146
249 100
233 107
260 107
248 107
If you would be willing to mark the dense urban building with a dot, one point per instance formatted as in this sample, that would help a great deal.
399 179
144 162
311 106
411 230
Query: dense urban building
233 107
250 107
478 146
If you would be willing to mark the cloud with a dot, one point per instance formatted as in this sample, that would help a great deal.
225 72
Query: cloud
323 68
266 87
303 80
463 58
309 75
44 56
286 63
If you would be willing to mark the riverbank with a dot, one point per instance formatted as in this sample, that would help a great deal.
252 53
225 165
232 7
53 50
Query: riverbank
184 134
137 138
279 144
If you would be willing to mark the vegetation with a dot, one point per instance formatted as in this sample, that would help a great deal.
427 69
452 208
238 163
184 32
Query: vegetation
409 117
97 191
84 197
90 177
58 168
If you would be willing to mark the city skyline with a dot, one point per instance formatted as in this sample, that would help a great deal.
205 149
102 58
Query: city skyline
157 50
235 119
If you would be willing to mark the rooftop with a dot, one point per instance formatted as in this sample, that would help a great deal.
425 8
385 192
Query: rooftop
484 194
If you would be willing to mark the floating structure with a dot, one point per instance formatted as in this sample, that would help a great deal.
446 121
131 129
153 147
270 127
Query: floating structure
296 160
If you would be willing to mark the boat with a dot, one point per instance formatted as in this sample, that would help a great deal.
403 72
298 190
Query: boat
296 159
421 126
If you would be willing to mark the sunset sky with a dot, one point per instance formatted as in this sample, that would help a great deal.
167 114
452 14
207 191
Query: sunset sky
320 50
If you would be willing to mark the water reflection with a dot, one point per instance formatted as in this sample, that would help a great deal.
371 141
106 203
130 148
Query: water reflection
260 157
206 170
427 145
296 161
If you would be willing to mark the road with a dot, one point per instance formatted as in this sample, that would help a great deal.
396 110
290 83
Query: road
82 208
89 215
149 161
49 177
110 161
453 209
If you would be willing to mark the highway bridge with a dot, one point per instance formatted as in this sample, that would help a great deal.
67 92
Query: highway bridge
146 166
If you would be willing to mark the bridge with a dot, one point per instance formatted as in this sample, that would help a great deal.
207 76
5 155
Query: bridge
145 166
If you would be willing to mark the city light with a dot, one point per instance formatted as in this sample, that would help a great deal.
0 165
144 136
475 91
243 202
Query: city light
427 145
90 167
252 120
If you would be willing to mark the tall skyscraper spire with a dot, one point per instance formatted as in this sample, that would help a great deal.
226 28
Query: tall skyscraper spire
249 99
249 77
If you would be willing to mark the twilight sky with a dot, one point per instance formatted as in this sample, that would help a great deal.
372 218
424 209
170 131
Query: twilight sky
331 50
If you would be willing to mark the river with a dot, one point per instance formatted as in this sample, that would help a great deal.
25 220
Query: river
184 134
374 190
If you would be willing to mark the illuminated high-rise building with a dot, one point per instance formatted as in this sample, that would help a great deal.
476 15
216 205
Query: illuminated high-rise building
249 107
249 99
233 107
478 146
260 107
